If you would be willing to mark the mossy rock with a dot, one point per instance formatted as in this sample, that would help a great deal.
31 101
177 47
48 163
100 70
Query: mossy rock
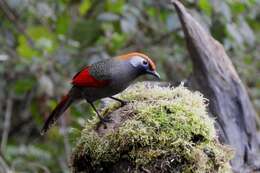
161 129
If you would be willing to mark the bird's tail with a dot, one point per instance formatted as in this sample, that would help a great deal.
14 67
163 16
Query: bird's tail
57 112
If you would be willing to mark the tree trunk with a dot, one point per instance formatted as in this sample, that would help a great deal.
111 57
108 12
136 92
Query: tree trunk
215 76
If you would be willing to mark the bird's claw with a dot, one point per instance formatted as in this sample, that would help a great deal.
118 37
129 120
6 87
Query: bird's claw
123 103
105 120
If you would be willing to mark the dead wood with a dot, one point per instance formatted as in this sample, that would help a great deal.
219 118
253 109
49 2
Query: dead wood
215 76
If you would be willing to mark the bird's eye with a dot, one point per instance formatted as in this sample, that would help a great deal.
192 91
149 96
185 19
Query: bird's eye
145 62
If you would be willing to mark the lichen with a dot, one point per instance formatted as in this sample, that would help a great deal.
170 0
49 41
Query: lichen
167 130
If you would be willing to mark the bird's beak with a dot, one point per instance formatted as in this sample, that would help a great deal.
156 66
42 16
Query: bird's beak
154 73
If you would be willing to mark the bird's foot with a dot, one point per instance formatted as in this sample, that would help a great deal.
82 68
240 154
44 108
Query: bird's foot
105 120
123 103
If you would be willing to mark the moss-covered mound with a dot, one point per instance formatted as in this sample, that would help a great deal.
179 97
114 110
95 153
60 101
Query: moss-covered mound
161 129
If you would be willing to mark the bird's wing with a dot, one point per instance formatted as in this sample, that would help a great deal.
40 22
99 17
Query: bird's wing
85 78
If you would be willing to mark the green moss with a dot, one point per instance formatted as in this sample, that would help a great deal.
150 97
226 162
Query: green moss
167 127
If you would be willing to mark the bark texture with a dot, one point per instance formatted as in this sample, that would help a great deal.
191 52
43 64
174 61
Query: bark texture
215 76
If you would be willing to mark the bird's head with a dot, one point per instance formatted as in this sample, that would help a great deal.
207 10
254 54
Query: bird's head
141 62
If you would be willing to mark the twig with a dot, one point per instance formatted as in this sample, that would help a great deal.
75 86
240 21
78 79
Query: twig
7 120
11 16
30 165
63 164
42 167
3 165
64 131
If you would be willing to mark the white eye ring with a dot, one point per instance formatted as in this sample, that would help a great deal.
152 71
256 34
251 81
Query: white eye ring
137 61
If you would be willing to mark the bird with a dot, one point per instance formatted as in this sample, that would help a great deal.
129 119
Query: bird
104 78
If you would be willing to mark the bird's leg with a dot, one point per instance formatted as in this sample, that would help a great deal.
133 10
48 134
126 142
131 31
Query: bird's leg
103 120
123 103
93 106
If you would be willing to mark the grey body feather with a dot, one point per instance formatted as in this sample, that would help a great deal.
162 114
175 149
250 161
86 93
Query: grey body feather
119 73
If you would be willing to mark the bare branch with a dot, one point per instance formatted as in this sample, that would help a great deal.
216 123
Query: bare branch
12 17
7 120
3 166
64 131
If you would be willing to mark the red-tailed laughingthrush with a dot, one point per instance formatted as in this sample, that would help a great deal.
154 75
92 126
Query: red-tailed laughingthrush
103 79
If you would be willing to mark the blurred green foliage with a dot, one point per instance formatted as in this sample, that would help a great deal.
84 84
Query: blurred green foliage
58 38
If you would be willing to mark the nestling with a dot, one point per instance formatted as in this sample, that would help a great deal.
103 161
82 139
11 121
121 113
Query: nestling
103 79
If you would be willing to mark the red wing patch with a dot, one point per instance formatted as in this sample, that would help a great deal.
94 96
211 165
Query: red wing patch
84 79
